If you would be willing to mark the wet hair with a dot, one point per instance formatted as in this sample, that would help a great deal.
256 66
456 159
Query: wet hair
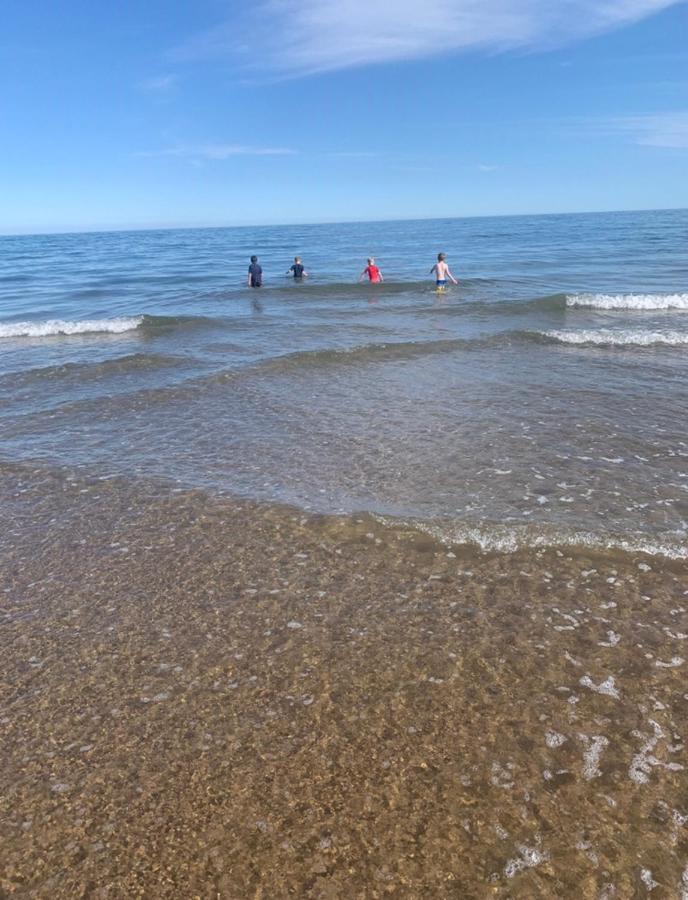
297 259
371 260
441 256
254 259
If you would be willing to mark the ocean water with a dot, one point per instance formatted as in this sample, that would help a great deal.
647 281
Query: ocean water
542 402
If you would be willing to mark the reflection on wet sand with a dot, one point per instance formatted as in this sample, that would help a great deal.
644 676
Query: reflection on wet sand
214 699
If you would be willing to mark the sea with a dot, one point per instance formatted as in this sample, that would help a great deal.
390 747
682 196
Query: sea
542 402
338 589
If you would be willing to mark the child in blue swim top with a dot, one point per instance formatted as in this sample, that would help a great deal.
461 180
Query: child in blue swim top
297 270
441 272
255 273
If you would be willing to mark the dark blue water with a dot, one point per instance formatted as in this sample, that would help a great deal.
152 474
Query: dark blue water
541 401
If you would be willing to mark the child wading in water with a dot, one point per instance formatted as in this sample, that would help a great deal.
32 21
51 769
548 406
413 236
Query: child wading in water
297 270
372 271
255 273
441 272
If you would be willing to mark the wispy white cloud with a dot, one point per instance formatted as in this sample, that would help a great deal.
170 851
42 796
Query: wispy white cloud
300 37
217 151
352 154
656 130
160 84
484 167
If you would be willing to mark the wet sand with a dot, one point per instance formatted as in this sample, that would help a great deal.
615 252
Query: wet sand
205 698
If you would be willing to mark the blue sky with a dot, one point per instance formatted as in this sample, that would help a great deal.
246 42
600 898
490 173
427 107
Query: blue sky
218 113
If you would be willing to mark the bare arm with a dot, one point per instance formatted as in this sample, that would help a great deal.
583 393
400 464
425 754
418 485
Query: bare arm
381 277
452 277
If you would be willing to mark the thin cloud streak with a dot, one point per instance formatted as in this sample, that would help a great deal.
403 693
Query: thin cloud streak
160 84
304 37
669 130
352 154
218 151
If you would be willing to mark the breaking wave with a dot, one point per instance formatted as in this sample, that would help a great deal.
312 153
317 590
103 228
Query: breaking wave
116 325
612 338
629 301
52 327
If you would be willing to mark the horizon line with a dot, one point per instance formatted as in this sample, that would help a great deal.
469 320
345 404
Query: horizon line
144 228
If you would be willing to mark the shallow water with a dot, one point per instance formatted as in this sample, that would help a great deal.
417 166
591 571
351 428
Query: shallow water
542 401
209 699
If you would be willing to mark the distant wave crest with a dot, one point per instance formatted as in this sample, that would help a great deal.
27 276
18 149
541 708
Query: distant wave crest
610 337
52 327
629 301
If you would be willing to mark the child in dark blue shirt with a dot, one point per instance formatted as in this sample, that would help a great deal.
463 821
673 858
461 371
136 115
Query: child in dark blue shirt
297 269
255 273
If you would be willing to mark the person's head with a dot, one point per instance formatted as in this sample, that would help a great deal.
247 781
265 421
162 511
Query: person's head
371 261
297 259
441 257
254 259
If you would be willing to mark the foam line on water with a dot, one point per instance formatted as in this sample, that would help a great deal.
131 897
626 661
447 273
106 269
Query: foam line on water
610 337
629 301
510 539
51 327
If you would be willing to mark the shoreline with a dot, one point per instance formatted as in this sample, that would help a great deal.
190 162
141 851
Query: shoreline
215 698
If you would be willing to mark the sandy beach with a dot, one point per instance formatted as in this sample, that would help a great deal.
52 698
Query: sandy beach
203 698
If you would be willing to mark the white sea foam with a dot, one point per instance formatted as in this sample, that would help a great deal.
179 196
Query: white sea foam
645 760
606 687
613 337
648 880
553 739
512 538
528 858
629 301
593 752
51 327
672 664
